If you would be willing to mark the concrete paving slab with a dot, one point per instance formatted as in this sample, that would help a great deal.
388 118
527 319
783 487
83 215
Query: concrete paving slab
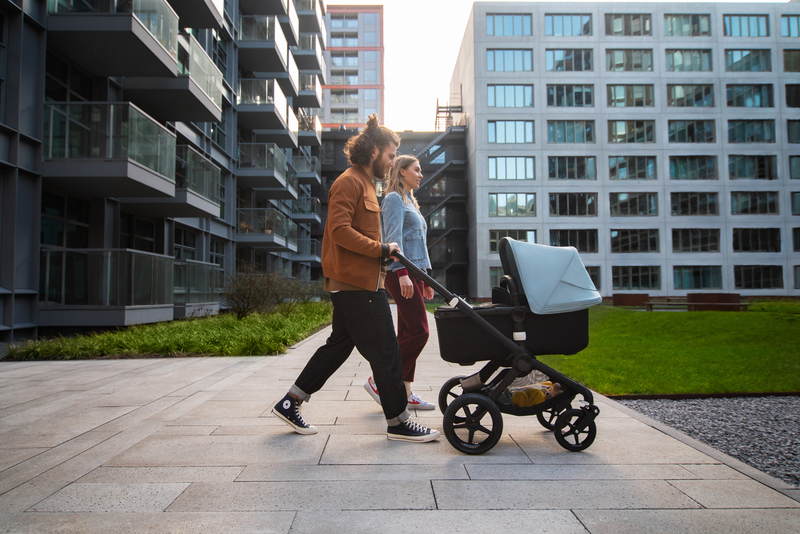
105 497
734 494
578 472
11 457
226 408
311 496
205 430
689 521
280 473
714 472
127 475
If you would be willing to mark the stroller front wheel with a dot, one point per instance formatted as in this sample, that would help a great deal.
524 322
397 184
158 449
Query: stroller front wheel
569 433
473 423
450 390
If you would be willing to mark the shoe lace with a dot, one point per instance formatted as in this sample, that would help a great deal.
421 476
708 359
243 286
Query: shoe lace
416 427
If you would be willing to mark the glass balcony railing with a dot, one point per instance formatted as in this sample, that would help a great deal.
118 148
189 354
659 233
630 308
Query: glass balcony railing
308 41
292 179
309 247
107 130
196 173
262 156
261 92
195 282
307 206
310 123
310 83
307 164
199 67
292 123
266 221
155 15
104 277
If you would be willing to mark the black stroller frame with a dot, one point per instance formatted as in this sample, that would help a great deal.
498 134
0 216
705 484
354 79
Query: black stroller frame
473 422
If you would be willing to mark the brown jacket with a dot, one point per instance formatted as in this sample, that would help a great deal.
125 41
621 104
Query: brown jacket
351 244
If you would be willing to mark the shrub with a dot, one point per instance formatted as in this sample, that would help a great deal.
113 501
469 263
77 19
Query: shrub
249 291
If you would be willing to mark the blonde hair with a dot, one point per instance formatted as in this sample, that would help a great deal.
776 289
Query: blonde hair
395 181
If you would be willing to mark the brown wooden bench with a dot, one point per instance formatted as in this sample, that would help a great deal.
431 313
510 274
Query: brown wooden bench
663 304
718 306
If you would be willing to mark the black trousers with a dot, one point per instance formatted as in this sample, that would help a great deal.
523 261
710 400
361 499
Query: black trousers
361 319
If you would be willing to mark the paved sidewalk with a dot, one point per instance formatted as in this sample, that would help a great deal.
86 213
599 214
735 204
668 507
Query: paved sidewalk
189 445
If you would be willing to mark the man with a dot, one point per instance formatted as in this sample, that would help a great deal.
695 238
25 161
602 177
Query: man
353 265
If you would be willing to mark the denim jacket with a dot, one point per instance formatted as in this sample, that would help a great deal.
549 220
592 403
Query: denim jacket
403 224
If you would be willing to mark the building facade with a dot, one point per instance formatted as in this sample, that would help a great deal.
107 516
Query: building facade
661 140
354 57
148 148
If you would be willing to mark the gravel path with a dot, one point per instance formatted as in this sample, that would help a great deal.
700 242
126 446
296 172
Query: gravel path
763 432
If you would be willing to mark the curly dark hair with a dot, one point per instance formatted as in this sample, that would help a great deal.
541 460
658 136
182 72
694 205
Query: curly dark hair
359 148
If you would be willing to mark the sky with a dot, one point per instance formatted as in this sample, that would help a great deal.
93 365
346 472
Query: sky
421 43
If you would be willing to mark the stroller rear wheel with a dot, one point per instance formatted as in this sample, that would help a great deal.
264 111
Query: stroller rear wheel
473 423
547 418
450 390
569 435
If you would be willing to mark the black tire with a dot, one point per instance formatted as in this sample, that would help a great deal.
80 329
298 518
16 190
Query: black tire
473 423
568 436
450 390
547 418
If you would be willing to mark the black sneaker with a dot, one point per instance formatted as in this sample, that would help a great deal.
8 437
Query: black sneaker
411 431
288 409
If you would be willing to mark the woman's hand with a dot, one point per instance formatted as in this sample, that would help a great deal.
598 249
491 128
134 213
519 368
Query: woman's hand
406 287
428 293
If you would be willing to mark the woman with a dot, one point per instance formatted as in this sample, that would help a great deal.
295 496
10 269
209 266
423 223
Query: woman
402 223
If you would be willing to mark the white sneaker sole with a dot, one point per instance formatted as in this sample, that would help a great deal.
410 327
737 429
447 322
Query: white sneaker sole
421 406
375 396
299 429
434 435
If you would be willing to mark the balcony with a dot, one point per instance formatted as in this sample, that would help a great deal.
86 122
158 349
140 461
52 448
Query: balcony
308 53
197 182
307 210
286 192
109 39
262 45
449 255
195 95
310 13
289 80
309 169
261 105
261 165
202 13
267 228
107 149
264 7
442 221
104 287
290 24
310 94
308 251
196 287
283 137
310 130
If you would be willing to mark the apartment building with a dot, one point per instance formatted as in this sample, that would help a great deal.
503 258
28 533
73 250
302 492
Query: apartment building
149 147
354 57
662 140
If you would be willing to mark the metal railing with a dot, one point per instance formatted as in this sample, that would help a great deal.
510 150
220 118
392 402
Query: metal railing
262 156
261 92
307 205
196 173
266 221
308 247
307 164
195 281
203 71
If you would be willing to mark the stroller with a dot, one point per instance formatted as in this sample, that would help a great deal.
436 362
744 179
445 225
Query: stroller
541 307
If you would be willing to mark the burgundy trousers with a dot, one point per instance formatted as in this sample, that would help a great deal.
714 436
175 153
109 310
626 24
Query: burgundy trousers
412 322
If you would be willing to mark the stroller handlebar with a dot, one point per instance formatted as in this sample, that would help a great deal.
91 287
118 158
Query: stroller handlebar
451 299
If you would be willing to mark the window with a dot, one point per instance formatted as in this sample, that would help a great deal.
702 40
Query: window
527 236
137 233
791 61
568 60
594 274
748 61
495 275
630 96
63 83
754 203
509 60
583 240
790 25
795 203
758 276
508 25
370 18
697 276
750 96
64 221
217 256
511 168
631 131
344 39
343 96
326 152
626 25
344 59
636 277
218 131
633 204
370 94
692 167
341 116
573 204
688 60
511 131
370 56
631 167
792 95
793 128
627 241
695 240
691 131
756 239
628 60
687 25
796 239
794 167
694 204
569 96
746 25
185 247
570 131
567 25
219 52
751 131
510 96
690 96
342 78
572 168
752 167
512 204
370 75
342 20
369 37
